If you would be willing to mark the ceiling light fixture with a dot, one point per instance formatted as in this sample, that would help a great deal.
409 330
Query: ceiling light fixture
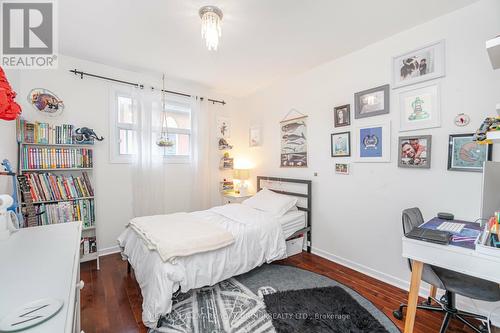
211 26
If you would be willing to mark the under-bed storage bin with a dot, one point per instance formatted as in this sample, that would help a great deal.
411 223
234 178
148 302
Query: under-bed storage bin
294 246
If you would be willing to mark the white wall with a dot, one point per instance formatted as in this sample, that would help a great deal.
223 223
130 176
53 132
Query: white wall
86 104
357 218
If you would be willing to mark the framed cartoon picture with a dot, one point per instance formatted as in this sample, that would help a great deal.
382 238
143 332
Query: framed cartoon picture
373 143
342 168
415 151
420 108
423 64
371 102
254 136
341 144
465 154
342 115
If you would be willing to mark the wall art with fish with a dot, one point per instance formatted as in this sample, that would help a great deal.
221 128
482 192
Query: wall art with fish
294 143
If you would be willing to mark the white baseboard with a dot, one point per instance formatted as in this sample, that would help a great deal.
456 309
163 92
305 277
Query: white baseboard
462 302
109 250
384 277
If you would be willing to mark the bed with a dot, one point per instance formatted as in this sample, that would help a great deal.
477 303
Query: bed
259 238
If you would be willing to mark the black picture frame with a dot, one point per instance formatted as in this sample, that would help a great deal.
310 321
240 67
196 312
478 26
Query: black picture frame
348 144
385 89
347 122
451 148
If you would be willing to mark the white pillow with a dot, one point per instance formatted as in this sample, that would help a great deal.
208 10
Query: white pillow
271 202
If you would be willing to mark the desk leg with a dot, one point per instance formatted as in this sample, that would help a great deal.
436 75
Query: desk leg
433 291
416 276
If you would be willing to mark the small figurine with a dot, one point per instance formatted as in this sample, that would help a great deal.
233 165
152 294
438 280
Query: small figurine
224 145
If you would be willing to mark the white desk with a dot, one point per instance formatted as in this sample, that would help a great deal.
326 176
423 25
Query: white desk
42 262
454 258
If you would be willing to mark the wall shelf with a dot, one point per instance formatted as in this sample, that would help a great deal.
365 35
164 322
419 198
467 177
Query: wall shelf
493 48
56 201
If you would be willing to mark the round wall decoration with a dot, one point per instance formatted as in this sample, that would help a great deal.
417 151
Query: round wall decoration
462 120
46 102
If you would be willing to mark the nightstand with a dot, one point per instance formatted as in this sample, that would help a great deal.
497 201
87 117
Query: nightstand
232 197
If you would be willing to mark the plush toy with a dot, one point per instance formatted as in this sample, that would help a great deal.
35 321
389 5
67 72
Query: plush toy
9 109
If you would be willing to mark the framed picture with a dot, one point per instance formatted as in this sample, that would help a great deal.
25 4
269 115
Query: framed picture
371 102
373 143
223 127
420 108
465 154
226 163
342 168
341 144
254 137
294 143
415 151
423 64
342 115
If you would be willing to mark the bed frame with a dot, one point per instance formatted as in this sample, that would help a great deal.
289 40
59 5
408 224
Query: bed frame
279 185
299 188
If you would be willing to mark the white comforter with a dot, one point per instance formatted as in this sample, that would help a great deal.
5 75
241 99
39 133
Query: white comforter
258 239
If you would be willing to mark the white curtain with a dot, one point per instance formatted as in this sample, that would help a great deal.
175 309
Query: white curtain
200 148
148 173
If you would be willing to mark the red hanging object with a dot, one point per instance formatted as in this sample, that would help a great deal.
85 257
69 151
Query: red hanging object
9 109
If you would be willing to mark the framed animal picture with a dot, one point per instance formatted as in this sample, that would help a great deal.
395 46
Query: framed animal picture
373 143
341 144
423 64
465 154
294 143
342 168
371 102
342 115
420 107
415 151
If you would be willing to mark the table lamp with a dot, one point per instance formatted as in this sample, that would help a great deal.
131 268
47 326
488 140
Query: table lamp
241 176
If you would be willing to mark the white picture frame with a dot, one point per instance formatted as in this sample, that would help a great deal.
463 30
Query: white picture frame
420 107
223 127
407 68
342 168
368 152
254 136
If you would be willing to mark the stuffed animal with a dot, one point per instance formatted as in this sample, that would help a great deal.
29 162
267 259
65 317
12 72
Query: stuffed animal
9 109
87 134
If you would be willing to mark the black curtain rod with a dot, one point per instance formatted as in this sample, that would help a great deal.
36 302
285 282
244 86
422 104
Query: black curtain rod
137 85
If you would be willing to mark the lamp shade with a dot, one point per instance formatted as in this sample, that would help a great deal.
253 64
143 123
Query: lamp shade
241 174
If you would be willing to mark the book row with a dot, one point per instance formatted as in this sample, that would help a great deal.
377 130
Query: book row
44 133
81 210
56 158
49 187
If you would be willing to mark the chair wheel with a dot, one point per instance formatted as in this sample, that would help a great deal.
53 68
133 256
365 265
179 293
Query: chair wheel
483 328
397 314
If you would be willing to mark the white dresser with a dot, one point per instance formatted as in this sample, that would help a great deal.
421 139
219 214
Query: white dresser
43 262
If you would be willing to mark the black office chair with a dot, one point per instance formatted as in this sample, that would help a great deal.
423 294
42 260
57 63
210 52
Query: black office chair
453 283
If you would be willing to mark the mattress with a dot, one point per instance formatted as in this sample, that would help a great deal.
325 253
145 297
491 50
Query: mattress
292 222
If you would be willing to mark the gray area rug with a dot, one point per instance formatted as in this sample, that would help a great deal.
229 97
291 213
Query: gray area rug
237 305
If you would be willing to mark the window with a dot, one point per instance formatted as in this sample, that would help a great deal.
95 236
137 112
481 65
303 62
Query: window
124 127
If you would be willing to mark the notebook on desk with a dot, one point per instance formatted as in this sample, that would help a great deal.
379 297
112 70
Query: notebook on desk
463 236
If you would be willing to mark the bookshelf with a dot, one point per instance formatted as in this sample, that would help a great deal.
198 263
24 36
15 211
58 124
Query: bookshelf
59 173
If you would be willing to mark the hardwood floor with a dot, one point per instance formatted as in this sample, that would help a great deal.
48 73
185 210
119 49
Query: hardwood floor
111 300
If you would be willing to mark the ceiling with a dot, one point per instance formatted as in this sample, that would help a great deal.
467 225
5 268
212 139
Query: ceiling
262 40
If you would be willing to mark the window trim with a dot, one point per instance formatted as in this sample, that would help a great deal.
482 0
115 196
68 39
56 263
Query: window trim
115 126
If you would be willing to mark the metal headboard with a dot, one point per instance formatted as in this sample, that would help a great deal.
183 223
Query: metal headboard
307 196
